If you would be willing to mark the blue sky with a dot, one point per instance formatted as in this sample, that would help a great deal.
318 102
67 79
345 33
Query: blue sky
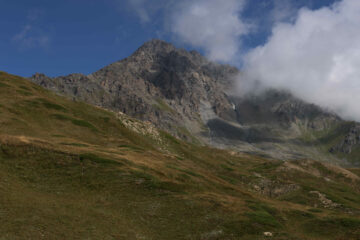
70 36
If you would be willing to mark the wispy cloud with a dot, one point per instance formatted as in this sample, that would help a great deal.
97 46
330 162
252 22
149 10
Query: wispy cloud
30 37
140 9
34 14
145 10
31 34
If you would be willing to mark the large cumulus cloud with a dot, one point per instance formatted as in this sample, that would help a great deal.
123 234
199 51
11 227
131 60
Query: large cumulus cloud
317 58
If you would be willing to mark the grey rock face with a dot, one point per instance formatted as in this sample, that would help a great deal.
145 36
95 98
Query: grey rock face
77 86
351 140
274 189
279 107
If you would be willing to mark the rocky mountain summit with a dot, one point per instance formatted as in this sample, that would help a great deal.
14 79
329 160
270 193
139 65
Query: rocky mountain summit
158 83
185 94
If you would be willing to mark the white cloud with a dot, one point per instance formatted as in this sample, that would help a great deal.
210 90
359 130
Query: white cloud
146 10
317 58
34 14
213 25
31 35
140 9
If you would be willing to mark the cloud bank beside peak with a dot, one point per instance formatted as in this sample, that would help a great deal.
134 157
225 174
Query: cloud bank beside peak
317 58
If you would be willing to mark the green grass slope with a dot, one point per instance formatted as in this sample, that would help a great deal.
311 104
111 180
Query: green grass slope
69 170
326 139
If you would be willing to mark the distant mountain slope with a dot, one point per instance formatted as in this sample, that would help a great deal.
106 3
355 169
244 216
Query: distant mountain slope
69 170
192 98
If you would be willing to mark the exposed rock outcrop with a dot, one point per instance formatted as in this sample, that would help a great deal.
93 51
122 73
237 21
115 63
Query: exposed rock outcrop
351 140
325 202
274 189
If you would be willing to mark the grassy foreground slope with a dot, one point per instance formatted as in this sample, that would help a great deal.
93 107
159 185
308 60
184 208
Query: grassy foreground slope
69 170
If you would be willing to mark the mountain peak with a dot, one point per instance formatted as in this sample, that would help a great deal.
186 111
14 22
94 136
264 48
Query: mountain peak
156 41
156 46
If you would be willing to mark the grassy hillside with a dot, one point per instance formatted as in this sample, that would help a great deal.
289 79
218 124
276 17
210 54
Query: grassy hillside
74 171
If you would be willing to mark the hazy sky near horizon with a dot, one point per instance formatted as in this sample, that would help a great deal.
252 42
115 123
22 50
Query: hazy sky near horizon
63 37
